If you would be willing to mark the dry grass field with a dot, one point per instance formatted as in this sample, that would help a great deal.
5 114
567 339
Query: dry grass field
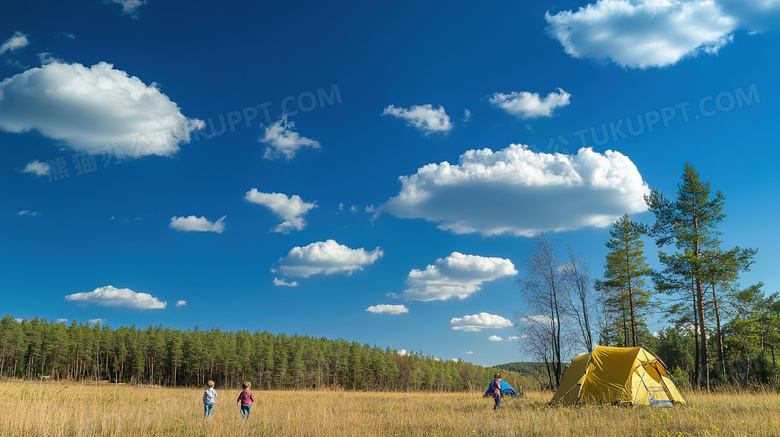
74 409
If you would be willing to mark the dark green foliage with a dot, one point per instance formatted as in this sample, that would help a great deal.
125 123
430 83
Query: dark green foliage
163 356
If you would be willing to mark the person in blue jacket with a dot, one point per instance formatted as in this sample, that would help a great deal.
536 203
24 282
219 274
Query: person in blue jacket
499 388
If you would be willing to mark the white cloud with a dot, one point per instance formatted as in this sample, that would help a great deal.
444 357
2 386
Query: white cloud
458 276
754 15
17 320
129 7
538 318
29 213
389 309
469 352
17 41
478 322
94 109
282 283
283 141
61 321
181 303
423 117
403 352
47 58
290 209
513 338
109 296
642 33
96 321
526 105
495 338
200 224
37 168
466 115
326 257
520 192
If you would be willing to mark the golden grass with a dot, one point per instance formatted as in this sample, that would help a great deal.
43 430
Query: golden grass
72 409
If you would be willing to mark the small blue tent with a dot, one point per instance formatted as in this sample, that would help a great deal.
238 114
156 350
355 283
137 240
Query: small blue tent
506 389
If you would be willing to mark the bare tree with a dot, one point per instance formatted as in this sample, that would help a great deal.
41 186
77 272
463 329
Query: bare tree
543 288
579 300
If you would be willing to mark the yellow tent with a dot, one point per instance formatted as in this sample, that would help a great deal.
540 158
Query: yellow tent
618 375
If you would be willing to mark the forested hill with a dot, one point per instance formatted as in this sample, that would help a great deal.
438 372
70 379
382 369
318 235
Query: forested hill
40 349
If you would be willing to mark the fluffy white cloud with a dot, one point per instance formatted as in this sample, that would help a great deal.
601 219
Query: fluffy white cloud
129 7
326 257
29 213
469 352
495 338
754 15
181 303
642 33
282 283
17 41
37 168
458 275
290 209
61 321
513 338
389 309
423 117
200 224
403 352
526 105
478 322
283 141
109 296
520 192
94 109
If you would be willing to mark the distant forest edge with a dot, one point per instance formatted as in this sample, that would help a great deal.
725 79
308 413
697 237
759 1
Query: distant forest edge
37 349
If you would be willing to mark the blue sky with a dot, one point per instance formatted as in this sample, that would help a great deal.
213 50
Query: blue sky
372 172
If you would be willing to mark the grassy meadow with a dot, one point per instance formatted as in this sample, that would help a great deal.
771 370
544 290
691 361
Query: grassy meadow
76 409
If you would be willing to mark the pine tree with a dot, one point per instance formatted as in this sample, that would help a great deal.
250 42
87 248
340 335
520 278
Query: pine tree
624 277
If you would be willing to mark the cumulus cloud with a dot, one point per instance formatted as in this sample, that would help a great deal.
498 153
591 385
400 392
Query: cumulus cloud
129 7
527 105
283 141
290 209
29 213
282 283
423 117
495 338
181 303
642 33
326 257
520 192
388 309
96 321
109 296
754 15
200 224
61 321
457 276
17 41
478 322
37 168
94 109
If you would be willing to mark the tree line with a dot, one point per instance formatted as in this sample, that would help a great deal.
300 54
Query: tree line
163 356
716 330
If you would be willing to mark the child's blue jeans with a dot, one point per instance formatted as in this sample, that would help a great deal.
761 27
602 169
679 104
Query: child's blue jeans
498 403
245 411
207 409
